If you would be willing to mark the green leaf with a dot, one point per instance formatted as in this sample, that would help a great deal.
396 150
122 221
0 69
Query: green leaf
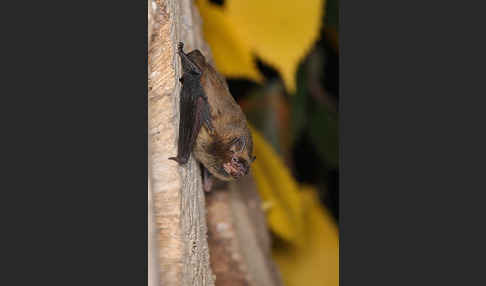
324 132
298 104
332 13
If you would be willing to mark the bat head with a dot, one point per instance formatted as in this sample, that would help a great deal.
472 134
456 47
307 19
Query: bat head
239 159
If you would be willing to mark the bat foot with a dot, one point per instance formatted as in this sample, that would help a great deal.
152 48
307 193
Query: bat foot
178 160
208 185
207 179
188 66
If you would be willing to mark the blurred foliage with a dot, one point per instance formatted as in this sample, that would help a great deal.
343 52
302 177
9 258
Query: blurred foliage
308 248
280 32
332 14
296 105
324 131
311 113
232 55
331 26
269 111
315 261
278 190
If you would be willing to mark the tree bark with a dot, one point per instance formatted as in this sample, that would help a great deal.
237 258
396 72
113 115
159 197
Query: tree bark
239 241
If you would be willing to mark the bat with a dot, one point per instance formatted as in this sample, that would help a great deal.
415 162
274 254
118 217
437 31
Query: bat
212 125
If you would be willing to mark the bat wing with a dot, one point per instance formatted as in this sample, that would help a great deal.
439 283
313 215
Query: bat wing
190 123
194 109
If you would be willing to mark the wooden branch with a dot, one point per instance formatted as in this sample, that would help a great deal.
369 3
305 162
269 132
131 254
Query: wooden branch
153 265
238 236
177 195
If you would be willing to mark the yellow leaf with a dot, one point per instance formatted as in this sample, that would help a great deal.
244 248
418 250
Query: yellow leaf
315 262
281 32
278 189
232 55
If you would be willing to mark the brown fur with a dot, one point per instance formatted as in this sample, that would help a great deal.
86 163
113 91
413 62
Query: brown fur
229 122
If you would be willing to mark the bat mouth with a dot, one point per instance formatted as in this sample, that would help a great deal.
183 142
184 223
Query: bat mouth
236 168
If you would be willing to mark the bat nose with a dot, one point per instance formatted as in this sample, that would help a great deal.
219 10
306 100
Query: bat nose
244 169
240 167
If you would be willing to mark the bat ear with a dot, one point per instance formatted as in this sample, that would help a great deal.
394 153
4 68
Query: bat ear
235 141
239 142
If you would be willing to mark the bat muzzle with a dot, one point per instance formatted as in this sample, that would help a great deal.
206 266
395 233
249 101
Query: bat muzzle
236 168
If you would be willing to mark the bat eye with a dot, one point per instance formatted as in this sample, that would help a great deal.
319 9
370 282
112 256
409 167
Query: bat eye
253 159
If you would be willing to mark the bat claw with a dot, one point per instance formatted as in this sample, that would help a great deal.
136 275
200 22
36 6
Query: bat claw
180 161
207 180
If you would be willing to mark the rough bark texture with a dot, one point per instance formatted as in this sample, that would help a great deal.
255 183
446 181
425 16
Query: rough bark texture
239 240
153 265
177 196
